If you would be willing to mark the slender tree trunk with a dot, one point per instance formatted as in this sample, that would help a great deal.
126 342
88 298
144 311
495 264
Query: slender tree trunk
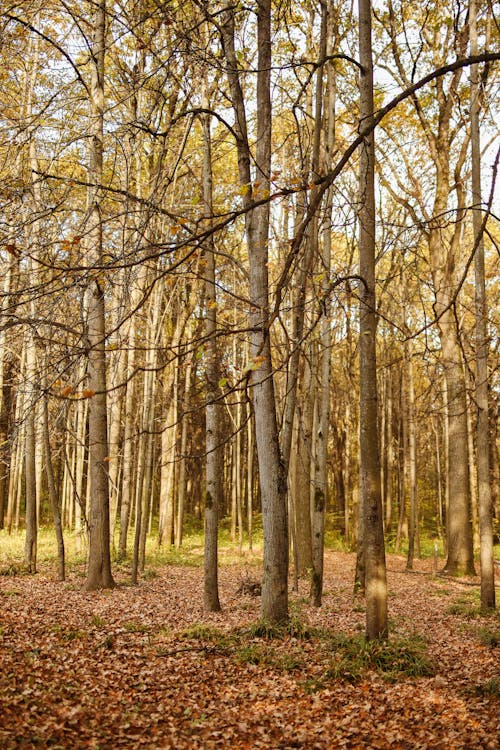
272 475
5 411
460 557
482 429
30 387
439 483
370 490
168 441
302 478
446 443
129 439
30 546
403 465
150 384
115 404
5 390
471 455
389 475
182 486
15 472
250 446
53 494
412 465
320 490
212 409
99 568
80 450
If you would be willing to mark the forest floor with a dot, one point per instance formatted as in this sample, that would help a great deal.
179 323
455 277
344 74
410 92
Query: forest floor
145 667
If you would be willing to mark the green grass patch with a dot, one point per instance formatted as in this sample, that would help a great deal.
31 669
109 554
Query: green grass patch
201 632
488 689
346 658
489 637
353 656
266 656
72 634
132 626
467 605
293 628
469 611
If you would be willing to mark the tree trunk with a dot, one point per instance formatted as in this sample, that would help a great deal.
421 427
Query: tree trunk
370 490
389 473
272 476
412 466
302 478
99 568
53 494
30 545
212 409
182 486
460 559
482 429
249 484
30 389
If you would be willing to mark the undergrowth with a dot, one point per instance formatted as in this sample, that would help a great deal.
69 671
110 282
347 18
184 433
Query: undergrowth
347 658
353 656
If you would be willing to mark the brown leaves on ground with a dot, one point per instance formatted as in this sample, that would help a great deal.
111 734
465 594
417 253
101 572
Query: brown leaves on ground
145 667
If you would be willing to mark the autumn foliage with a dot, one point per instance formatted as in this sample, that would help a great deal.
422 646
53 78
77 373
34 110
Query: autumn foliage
146 667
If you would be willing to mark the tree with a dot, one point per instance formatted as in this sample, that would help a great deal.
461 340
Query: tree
99 567
482 426
444 139
370 490
213 466
271 469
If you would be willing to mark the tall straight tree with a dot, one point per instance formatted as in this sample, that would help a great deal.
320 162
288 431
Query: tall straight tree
370 488
321 462
30 547
482 429
437 121
272 476
99 568
213 467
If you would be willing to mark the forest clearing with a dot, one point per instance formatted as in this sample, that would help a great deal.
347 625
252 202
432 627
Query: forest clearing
145 666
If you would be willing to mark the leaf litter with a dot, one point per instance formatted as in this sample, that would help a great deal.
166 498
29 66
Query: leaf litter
146 667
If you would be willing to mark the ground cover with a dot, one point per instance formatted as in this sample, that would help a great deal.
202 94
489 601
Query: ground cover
145 667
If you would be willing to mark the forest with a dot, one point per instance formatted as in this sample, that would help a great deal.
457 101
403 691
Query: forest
249 325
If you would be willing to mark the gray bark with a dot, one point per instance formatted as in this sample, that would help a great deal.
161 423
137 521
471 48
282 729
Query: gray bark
99 567
370 490
482 430
272 476
212 409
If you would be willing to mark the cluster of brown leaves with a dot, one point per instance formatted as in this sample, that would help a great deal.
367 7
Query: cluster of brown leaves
130 668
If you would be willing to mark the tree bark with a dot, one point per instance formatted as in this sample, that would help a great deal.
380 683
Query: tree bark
53 494
212 409
412 464
272 476
99 567
482 430
370 490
